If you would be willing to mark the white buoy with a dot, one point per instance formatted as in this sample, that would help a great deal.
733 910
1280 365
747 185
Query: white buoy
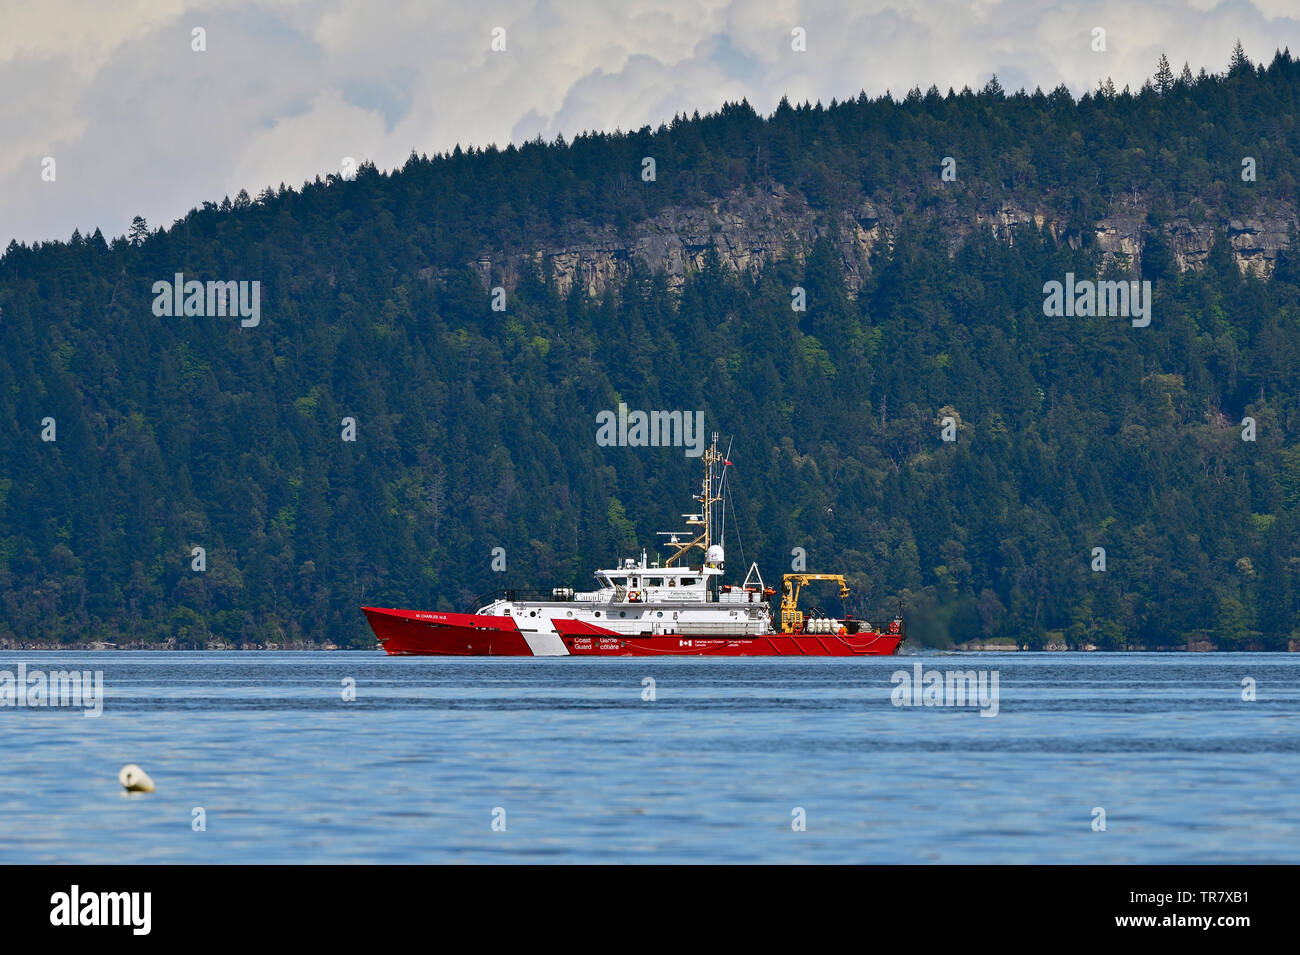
135 779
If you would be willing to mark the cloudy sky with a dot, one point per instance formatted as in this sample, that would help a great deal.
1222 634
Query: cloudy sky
139 122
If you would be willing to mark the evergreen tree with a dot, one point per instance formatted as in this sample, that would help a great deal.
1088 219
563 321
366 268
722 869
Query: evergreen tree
1164 78
1240 63
138 232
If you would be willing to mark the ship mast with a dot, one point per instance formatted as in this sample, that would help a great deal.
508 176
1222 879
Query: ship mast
708 497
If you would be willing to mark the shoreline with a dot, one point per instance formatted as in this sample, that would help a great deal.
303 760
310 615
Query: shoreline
100 647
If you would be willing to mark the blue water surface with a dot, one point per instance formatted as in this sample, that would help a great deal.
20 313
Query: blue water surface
580 767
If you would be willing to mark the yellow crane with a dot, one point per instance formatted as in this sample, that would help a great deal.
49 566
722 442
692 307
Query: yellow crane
791 618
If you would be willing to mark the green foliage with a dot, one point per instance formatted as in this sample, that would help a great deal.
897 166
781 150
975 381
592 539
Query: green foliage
477 429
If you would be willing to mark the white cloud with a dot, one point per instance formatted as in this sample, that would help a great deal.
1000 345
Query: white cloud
139 123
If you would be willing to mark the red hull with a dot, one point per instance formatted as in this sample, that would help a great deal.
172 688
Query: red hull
410 632
776 645
404 632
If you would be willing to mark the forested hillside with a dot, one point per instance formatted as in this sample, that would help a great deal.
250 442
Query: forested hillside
475 428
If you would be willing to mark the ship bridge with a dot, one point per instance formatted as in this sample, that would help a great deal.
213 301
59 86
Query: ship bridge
638 581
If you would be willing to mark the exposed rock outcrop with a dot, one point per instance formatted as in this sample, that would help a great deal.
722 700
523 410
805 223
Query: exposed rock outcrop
748 229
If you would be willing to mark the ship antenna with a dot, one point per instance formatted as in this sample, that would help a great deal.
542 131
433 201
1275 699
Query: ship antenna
710 458
704 519
708 491
722 535
740 544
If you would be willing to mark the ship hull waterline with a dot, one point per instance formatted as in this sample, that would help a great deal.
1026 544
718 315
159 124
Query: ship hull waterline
418 633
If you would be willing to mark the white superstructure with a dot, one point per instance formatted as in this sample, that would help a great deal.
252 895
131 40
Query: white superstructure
639 597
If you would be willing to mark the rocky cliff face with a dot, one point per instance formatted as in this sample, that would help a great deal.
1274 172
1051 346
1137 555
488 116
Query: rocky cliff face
748 229
745 231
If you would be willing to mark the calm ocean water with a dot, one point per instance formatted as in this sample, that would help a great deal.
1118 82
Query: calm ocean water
711 770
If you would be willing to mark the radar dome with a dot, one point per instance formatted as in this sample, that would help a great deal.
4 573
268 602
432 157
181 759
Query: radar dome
714 555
